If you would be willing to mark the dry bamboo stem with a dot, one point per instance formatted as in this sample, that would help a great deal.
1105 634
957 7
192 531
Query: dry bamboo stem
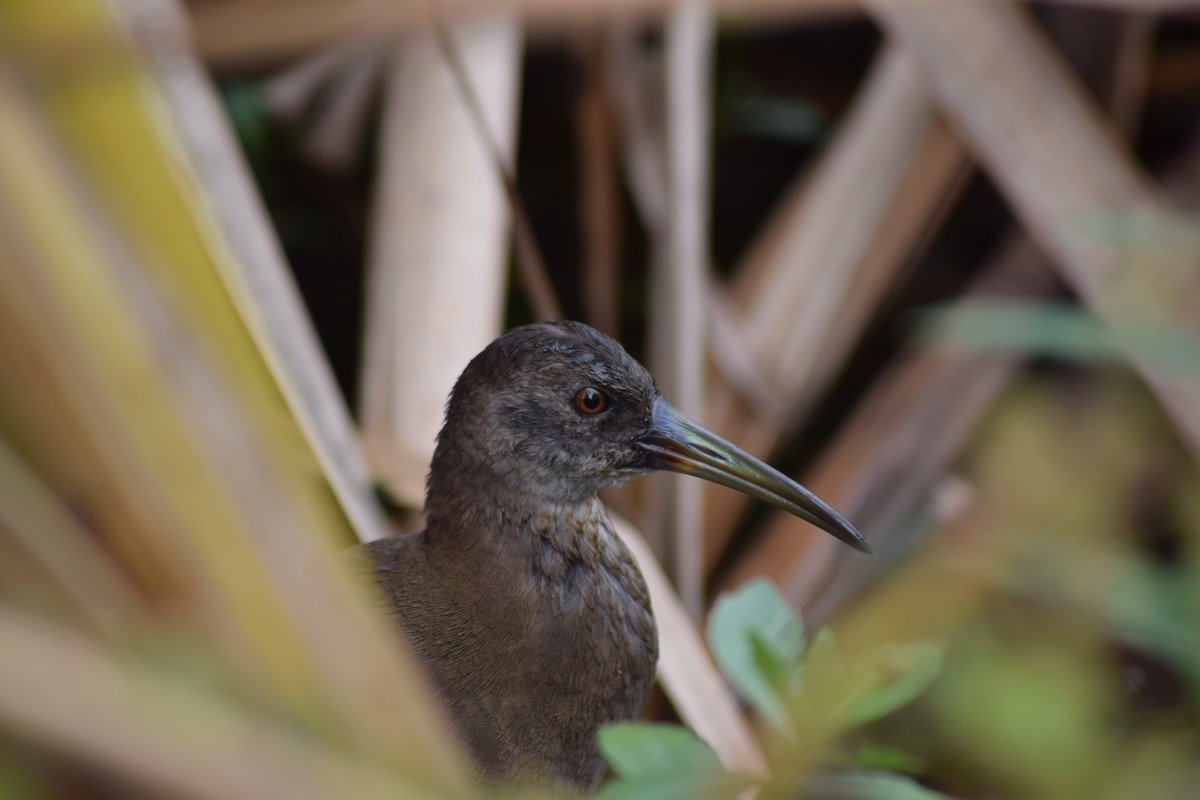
535 277
169 735
686 672
600 205
639 91
256 273
80 570
1060 165
683 285
336 136
290 92
438 247
802 289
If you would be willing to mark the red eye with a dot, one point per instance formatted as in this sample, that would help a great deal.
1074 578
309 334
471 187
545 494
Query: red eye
590 401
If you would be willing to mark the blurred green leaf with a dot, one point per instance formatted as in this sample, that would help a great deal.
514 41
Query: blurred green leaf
757 640
893 677
1037 714
1057 330
776 672
1156 609
882 757
823 649
777 118
663 762
639 750
869 786
247 111
1144 232
18 779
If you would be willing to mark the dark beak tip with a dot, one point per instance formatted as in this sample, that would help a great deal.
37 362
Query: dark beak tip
849 535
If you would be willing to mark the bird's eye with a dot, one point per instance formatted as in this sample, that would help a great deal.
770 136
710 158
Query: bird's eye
590 401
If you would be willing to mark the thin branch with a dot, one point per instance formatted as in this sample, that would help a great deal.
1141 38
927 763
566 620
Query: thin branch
600 207
683 286
534 275
234 31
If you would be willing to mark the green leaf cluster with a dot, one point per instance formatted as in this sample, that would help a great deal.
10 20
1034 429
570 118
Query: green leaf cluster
805 692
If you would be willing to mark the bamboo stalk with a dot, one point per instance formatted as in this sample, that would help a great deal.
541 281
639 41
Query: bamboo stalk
600 204
681 290
438 243
535 277
639 92
1105 50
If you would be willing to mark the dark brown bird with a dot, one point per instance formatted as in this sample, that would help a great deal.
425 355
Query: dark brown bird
526 610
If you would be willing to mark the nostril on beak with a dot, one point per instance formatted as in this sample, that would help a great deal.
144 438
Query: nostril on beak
724 459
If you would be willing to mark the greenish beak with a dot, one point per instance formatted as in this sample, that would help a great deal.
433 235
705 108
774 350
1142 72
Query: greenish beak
678 444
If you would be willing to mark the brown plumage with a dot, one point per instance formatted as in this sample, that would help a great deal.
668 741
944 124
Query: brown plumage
528 613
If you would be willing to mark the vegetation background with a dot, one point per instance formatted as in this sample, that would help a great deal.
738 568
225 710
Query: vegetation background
938 259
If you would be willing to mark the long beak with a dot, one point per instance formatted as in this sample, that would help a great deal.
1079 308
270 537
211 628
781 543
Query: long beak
678 444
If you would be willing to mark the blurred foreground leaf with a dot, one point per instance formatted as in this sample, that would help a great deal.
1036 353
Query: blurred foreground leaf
156 476
879 757
1157 610
807 700
1032 714
167 731
757 640
869 786
892 678
663 762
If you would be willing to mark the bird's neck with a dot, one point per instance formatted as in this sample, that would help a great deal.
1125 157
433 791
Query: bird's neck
493 521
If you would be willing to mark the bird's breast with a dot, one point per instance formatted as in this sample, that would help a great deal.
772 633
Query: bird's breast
595 635
594 608
534 642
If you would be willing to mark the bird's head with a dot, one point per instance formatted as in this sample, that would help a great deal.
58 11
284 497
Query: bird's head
558 410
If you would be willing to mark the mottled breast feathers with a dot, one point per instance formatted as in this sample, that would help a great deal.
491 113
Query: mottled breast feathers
563 644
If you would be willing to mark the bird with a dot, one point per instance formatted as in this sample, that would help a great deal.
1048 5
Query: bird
529 616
